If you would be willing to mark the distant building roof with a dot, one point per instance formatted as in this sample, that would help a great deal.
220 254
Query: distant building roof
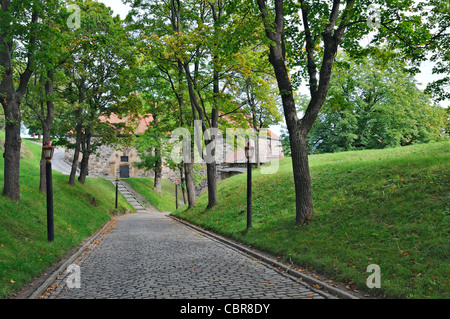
141 121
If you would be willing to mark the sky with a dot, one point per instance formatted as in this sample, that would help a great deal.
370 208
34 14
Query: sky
117 6
423 78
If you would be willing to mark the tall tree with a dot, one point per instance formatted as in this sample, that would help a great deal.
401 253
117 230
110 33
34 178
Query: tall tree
19 25
222 30
156 25
258 94
56 49
101 81
327 25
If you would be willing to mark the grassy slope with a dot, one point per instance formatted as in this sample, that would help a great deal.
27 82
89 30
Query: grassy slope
164 202
387 207
78 212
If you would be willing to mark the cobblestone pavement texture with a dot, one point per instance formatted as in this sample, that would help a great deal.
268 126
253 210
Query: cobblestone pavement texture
152 256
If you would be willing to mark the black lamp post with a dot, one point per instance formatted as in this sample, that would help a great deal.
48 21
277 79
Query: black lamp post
249 154
117 190
176 192
47 151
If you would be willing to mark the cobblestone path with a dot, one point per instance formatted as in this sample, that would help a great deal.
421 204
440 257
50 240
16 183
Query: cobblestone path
151 256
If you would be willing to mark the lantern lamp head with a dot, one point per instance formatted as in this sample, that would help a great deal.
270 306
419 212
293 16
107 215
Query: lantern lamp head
48 151
249 150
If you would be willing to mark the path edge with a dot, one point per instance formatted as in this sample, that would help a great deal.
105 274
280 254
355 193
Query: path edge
306 279
47 283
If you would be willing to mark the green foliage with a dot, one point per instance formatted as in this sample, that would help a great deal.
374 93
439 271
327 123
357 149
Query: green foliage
373 103
222 42
100 79
385 207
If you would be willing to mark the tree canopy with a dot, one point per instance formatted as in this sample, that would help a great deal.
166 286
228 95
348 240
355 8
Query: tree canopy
374 104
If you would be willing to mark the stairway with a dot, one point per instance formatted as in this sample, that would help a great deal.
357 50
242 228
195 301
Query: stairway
130 197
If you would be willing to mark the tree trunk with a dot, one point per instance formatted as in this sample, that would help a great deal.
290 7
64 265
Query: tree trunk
183 189
158 156
46 127
189 173
188 165
257 148
211 167
10 100
84 169
302 179
297 137
86 151
189 176
158 175
76 155
298 129
42 166
212 184
196 108
13 144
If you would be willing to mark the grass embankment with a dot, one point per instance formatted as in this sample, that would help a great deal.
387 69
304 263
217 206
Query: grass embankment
78 212
386 207
164 202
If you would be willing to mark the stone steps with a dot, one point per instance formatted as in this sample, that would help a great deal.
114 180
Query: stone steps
129 196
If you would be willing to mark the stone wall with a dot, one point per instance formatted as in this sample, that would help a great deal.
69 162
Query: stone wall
108 161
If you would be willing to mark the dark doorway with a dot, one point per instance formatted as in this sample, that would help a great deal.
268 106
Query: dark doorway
124 171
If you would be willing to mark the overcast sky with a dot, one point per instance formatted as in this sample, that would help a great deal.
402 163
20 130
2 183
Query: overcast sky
117 6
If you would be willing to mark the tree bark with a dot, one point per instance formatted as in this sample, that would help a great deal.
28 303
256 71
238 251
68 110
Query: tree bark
76 154
86 151
10 99
47 123
212 184
298 129
13 144
187 165
196 109
42 166
183 188
189 174
158 175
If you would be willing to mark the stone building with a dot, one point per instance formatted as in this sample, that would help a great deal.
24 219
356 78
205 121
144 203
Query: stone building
114 162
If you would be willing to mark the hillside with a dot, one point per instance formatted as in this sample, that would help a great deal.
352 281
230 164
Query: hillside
387 207
164 202
78 212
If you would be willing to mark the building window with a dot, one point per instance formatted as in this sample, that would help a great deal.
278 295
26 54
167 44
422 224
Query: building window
124 159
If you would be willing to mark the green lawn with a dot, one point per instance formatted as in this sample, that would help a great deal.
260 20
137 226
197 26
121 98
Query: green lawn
164 202
387 207
78 212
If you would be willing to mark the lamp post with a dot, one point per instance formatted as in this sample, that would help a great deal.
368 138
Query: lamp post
117 190
249 154
176 192
47 152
